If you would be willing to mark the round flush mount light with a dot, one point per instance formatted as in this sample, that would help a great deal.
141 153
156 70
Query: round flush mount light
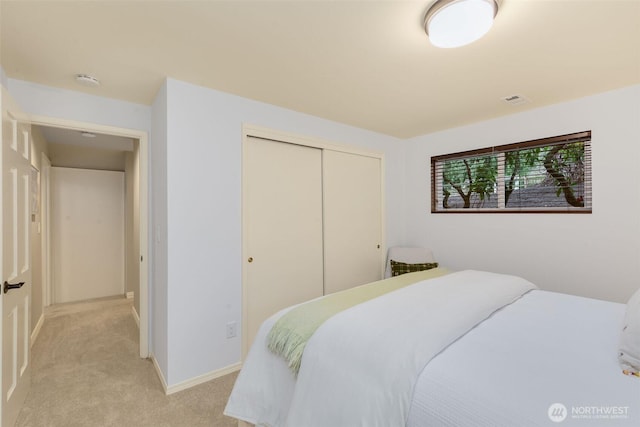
454 23
88 134
87 80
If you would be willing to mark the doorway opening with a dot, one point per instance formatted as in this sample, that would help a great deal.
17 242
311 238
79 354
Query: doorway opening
134 159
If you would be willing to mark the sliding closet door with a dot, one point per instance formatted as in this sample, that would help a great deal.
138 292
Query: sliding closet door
352 220
282 211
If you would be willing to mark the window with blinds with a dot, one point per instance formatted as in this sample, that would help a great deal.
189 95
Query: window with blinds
544 175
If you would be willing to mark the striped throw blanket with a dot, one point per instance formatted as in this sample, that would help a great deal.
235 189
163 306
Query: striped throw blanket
290 334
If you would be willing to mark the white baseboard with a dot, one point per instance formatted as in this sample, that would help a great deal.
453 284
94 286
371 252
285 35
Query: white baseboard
193 381
203 378
129 295
134 313
159 372
36 330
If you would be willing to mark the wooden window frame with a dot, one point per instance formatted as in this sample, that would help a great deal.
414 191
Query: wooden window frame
584 136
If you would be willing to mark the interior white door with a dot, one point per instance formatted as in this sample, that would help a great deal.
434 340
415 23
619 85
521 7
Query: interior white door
87 225
352 220
282 209
15 262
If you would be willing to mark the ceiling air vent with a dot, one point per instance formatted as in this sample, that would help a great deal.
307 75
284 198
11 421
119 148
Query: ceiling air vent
87 80
515 99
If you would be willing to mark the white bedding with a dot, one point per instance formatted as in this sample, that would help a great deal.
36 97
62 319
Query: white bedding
370 344
264 387
546 348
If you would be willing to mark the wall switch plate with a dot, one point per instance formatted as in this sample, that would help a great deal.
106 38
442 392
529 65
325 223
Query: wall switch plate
232 329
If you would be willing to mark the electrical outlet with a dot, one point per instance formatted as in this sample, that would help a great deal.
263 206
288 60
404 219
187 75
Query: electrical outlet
232 329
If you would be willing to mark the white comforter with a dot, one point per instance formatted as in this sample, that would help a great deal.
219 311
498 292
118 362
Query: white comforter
379 348
547 348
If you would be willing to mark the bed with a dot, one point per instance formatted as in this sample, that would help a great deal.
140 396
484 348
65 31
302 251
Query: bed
447 349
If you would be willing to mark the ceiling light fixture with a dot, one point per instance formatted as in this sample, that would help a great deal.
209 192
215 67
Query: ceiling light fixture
454 23
87 80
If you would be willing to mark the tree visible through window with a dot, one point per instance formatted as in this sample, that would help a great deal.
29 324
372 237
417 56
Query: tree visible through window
551 174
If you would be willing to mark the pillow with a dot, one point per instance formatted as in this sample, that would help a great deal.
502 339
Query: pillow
629 354
410 255
398 268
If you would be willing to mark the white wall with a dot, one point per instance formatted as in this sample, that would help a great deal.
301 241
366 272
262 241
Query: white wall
158 315
73 156
87 227
595 255
4 81
132 226
38 147
203 202
40 100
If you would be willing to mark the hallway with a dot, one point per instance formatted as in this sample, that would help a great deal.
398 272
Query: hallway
86 372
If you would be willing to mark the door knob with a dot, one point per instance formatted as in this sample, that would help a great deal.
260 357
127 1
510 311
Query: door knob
8 286
250 259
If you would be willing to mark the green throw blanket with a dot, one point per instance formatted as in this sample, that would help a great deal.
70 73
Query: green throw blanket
289 336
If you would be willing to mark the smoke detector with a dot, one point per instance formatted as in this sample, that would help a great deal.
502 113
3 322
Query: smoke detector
515 99
87 80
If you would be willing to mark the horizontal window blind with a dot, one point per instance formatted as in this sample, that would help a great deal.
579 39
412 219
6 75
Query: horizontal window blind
545 175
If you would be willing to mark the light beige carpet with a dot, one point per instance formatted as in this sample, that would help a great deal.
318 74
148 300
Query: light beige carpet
86 372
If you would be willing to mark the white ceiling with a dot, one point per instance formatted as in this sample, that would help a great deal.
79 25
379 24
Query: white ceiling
69 148
75 138
364 63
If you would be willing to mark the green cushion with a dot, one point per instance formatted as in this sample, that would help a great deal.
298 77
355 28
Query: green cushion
398 268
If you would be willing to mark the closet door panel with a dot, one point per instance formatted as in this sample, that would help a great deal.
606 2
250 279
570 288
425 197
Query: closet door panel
282 211
352 220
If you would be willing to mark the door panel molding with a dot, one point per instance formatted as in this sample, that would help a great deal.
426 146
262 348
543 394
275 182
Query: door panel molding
15 271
